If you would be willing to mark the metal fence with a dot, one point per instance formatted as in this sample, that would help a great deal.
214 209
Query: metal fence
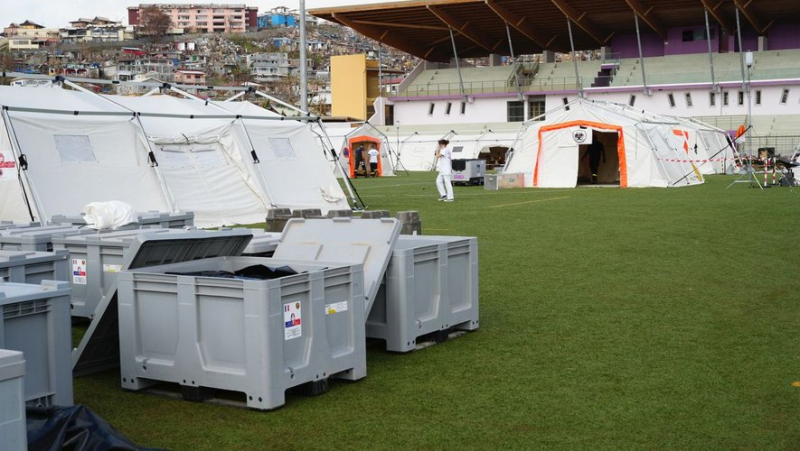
784 145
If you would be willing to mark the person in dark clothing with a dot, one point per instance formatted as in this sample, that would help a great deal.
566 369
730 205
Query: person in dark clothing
595 152
360 164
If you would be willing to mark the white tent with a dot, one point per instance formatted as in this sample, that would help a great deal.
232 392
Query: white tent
640 152
227 162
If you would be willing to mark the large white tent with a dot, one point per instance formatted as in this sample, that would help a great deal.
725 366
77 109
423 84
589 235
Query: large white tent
640 151
227 162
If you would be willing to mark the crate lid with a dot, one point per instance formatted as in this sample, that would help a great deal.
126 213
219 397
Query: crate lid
343 240
17 258
39 234
262 242
12 364
11 293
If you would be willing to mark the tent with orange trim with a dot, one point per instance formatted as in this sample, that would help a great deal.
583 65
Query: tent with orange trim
637 151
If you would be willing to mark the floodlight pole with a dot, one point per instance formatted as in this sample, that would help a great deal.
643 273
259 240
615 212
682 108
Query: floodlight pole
578 83
641 55
303 58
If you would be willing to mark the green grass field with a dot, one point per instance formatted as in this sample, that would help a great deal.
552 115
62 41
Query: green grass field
610 318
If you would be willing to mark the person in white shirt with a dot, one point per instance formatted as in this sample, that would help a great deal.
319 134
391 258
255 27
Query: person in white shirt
444 157
373 162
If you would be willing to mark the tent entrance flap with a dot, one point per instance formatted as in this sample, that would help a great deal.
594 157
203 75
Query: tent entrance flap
601 156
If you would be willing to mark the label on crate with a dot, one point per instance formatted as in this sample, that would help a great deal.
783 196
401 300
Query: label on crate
78 271
112 268
292 321
332 309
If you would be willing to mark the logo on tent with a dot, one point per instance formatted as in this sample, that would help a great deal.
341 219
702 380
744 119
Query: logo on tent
580 136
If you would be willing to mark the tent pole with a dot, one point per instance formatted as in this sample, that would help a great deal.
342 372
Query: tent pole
236 96
578 82
641 55
281 102
152 92
13 141
354 197
169 197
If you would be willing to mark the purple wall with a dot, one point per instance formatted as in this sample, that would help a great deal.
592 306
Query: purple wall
783 37
627 47
749 40
676 46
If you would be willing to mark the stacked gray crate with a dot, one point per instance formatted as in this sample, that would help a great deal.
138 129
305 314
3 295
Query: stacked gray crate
34 267
4 225
36 322
431 286
95 260
263 244
37 238
239 334
13 430
146 220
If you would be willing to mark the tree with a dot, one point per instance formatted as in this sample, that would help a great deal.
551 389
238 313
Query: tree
154 22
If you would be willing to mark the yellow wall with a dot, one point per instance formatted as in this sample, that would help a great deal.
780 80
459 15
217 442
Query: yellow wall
349 86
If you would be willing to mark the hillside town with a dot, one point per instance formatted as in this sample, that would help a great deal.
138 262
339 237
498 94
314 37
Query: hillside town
193 45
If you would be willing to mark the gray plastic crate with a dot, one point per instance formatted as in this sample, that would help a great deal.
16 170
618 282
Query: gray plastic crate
95 260
263 244
431 286
99 347
36 321
5 225
13 429
259 337
37 238
147 219
34 267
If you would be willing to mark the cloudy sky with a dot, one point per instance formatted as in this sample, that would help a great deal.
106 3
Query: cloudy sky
57 13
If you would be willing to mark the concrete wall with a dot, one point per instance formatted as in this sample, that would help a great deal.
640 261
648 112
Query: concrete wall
784 37
627 46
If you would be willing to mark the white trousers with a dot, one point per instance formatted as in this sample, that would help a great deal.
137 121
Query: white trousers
444 186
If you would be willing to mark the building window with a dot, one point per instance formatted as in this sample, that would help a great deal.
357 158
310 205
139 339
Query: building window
536 108
566 102
430 109
758 97
740 98
632 100
784 96
725 98
671 99
447 110
516 111
463 107
688 99
712 99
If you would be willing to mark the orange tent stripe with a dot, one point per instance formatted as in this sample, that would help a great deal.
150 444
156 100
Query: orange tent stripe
623 164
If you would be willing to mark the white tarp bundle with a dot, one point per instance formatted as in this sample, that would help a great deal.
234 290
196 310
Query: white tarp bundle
205 153
640 152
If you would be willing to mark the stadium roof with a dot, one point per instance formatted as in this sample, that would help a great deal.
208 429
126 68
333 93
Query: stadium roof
422 27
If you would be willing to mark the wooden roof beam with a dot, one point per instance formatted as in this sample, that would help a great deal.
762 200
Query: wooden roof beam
400 25
461 27
518 23
713 10
751 16
400 43
650 19
580 20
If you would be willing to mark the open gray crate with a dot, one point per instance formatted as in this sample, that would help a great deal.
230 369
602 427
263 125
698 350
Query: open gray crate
431 287
13 429
263 244
145 220
34 267
206 332
36 238
258 337
36 322
99 347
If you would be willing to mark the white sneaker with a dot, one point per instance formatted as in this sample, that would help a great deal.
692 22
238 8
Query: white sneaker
449 200
442 198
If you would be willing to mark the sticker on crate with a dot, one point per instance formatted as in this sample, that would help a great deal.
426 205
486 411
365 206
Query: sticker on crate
112 268
78 271
292 320
337 307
